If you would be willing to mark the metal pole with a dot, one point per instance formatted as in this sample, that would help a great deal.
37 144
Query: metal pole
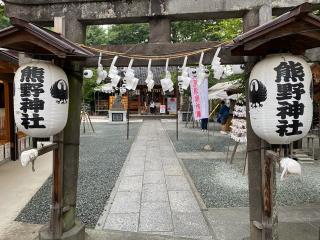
177 127
128 116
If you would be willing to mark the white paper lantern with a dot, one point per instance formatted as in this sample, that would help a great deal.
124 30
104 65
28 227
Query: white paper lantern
237 69
280 98
123 89
88 73
41 99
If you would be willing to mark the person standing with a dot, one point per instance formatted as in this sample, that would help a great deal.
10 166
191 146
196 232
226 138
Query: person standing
223 116
152 107
204 124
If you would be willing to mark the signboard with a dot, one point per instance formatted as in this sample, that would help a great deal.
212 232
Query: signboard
172 105
162 108
117 117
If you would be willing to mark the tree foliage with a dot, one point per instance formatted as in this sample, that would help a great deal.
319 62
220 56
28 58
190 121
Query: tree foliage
181 31
4 21
128 33
205 30
96 35
88 88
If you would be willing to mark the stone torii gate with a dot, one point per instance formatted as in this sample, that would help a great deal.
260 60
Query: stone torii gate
159 13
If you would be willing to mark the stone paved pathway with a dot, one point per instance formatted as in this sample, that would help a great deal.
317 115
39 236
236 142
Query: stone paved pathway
152 194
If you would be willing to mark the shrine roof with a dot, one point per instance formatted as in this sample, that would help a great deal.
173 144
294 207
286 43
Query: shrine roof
30 38
294 31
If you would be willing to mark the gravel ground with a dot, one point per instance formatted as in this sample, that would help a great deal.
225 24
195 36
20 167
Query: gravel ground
193 140
222 185
101 158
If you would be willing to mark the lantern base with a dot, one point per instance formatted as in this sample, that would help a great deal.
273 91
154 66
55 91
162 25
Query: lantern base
75 233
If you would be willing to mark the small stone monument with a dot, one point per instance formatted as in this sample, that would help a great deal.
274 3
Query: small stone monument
117 114
185 110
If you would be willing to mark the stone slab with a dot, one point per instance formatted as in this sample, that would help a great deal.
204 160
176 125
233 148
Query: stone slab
183 201
131 183
155 216
122 222
126 202
177 183
153 166
153 177
154 193
172 170
189 224
134 171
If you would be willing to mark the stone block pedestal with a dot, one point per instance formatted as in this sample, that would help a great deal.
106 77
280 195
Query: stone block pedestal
117 116
75 233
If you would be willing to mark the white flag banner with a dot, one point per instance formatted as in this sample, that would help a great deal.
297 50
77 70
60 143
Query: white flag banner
199 94
204 100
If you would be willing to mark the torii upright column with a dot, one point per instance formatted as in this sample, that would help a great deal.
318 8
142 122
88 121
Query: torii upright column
74 31
262 227
71 229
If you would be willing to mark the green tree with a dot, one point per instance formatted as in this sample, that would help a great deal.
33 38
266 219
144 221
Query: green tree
88 88
96 35
205 30
4 21
128 33
181 31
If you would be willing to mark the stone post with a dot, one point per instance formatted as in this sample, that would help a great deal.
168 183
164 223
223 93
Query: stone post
71 228
74 31
262 227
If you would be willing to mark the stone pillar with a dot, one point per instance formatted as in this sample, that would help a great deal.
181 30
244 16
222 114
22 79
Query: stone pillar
71 228
74 31
160 30
261 226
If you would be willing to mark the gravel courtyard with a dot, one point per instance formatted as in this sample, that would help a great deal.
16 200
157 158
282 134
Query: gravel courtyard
222 185
101 158
193 140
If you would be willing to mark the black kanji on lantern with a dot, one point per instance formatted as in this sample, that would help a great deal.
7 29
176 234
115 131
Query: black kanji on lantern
289 71
31 87
287 91
294 109
28 89
284 125
34 104
33 74
32 122
290 88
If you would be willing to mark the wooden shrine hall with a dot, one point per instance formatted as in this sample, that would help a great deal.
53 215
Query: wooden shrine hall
8 137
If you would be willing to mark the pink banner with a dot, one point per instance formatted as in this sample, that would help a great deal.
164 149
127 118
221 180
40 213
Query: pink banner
195 98
200 101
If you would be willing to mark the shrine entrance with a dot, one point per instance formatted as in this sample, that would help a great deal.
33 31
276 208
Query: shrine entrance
63 224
